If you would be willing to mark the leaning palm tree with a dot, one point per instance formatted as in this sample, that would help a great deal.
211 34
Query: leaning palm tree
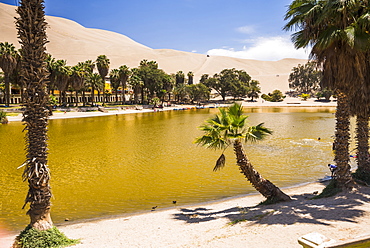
333 30
230 128
8 63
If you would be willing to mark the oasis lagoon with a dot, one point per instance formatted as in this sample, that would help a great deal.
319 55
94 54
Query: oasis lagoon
115 165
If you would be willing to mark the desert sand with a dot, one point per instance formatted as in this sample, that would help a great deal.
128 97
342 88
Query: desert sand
73 42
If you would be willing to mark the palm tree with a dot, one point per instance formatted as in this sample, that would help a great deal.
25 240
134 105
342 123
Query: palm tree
190 77
63 73
89 65
102 63
336 34
114 81
229 128
8 63
360 106
31 23
78 76
51 67
180 78
136 83
94 81
124 75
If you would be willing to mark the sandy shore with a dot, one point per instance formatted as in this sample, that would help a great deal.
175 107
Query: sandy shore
343 217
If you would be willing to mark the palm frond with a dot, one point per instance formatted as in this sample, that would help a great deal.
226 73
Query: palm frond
220 163
258 132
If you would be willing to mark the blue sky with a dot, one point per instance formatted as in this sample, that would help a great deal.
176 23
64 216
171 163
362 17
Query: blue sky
249 29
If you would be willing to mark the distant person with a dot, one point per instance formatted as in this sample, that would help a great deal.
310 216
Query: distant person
332 168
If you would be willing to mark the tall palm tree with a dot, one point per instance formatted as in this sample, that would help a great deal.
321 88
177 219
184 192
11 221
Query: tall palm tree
8 63
94 81
229 128
102 63
190 77
136 83
63 73
90 66
31 23
333 30
78 76
114 81
124 75
360 106
51 67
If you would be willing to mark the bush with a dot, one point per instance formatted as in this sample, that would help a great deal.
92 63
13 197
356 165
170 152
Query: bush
275 96
304 96
32 238
3 118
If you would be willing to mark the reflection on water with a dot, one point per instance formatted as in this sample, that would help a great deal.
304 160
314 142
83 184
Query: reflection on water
105 166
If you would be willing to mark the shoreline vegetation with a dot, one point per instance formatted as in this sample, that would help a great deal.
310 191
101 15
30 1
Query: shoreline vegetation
231 222
65 113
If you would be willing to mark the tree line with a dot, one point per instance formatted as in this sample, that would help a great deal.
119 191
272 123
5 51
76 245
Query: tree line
146 84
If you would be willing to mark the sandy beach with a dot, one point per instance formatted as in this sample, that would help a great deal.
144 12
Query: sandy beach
234 222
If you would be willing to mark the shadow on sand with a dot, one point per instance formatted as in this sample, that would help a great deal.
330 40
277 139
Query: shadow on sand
344 207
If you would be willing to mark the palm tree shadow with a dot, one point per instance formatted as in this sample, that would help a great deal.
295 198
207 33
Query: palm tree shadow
344 207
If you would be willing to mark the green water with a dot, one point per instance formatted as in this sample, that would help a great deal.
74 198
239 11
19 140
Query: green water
107 166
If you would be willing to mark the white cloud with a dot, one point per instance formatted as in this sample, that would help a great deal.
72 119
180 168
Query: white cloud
194 51
246 29
264 48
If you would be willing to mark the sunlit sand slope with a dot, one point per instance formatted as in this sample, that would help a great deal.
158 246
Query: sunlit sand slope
73 42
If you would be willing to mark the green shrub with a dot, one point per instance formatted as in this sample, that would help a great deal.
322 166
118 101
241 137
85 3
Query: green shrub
52 238
3 118
304 96
275 96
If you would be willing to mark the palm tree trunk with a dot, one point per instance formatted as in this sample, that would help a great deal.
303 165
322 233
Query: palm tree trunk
92 95
362 137
265 187
7 89
123 94
31 23
76 98
83 98
341 143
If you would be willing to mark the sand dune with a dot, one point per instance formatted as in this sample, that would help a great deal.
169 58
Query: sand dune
73 42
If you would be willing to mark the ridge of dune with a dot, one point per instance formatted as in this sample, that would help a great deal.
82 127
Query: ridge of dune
73 42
